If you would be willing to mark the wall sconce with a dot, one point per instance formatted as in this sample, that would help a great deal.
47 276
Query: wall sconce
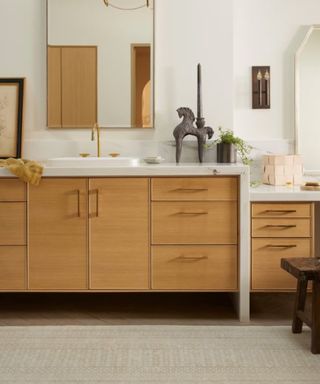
261 87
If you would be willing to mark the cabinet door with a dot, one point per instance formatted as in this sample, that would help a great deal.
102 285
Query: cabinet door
58 235
119 233
79 86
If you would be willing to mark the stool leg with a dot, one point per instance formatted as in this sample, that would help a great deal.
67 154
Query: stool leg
315 338
299 305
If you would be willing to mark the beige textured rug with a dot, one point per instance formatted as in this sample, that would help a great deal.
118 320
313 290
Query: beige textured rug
156 354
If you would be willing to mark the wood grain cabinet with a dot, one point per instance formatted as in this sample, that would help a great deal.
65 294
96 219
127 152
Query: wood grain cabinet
58 235
279 230
195 233
72 86
119 233
13 234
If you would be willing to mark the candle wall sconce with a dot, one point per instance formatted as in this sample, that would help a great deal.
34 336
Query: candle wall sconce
261 87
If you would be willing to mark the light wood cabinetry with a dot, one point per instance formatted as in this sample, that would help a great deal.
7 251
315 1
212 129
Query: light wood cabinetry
119 233
195 233
72 86
13 268
195 267
58 246
12 190
279 230
13 223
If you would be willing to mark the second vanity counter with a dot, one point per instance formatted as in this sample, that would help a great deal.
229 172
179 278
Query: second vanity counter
270 193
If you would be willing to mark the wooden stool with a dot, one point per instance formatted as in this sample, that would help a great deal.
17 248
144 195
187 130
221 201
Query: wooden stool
305 269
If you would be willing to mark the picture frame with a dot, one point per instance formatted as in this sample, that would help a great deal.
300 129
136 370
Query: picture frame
11 117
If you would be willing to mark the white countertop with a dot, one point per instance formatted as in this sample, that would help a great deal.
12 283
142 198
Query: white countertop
286 193
164 169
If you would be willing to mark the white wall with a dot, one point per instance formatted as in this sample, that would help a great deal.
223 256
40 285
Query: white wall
268 32
187 32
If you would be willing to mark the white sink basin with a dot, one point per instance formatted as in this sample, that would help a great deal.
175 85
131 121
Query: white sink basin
92 162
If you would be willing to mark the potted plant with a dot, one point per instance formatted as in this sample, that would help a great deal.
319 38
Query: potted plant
229 145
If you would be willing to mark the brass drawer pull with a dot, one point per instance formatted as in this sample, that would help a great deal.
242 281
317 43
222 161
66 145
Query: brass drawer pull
192 258
193 213
97 202
190 190
281 226
78 203
280 211
282 246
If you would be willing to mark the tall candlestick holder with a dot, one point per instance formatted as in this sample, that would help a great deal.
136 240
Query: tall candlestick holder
261 87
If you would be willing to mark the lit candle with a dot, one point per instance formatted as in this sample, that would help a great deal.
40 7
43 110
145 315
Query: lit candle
199 115
267 79
259 78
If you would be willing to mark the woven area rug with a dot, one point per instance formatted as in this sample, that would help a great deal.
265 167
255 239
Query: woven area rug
156 354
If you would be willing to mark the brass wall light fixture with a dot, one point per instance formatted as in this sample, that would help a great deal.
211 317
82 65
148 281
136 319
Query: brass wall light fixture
261 87
109 3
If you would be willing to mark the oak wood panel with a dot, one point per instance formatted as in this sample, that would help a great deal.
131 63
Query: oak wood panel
195 188
12 223
54 87
12 190
266 257
195 267
79 86
282 210
194 222
58 235
119 233
281 228
13 268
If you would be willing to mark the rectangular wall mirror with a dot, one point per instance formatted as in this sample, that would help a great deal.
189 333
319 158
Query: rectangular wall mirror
100 61
307 88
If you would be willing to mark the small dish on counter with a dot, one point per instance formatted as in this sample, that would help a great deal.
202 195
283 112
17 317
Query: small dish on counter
153 160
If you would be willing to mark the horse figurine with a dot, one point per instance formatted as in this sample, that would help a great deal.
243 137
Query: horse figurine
186 128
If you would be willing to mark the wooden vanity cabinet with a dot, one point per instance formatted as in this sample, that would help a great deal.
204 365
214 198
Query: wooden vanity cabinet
195 233
58 235
279 230
13 234
119 233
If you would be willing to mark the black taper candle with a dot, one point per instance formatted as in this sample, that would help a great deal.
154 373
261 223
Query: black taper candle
199 112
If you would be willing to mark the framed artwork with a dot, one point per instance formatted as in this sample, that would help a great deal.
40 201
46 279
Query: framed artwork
11 117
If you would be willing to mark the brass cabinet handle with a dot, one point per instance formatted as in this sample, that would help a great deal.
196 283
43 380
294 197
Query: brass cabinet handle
192 258
190 190
192 213
281 226
97 202
78 203
281 246
281 211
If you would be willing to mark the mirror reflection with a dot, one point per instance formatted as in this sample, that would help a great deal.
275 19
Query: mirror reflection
100 63
308 100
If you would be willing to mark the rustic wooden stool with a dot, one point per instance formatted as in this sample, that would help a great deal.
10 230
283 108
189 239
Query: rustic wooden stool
305 269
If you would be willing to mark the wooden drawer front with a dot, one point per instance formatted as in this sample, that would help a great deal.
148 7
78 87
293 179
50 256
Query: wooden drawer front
266 255
194 223
12 223
281 228
195 267
12 190
281 210
12 268
195 188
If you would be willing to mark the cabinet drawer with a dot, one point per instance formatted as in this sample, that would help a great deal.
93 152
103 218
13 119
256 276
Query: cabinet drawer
281 210
12 190
194 223
266 256
195 267
12 268
281 228
195 188
12 223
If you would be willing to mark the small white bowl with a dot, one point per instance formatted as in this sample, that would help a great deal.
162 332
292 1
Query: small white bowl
153 159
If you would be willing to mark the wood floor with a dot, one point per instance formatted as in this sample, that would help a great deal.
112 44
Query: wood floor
142 308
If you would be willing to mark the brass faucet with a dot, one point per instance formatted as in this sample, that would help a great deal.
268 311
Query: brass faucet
96 128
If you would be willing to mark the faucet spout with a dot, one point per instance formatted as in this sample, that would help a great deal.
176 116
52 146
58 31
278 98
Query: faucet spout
96 129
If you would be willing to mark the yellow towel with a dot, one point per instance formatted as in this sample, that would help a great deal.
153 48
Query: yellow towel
27 170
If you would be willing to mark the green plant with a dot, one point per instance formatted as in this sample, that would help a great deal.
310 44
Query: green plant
243 149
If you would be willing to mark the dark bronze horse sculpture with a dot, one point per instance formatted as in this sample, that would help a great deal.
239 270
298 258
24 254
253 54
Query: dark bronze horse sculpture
186 127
